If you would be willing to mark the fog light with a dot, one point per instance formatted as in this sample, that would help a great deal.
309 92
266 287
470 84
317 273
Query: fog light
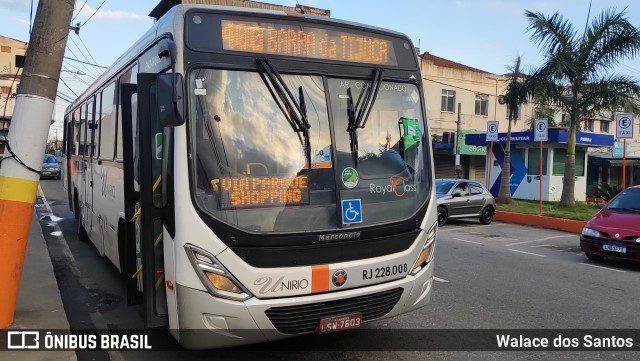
222 283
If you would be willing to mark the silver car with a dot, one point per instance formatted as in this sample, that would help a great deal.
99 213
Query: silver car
463 198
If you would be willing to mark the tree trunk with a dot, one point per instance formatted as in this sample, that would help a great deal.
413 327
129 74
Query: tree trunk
568 198
504 195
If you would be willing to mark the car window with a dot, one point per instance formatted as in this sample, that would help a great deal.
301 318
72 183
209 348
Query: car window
50 159
629 199
476 189
443 187
462 188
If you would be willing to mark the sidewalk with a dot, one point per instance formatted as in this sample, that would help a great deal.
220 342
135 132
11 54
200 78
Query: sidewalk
39 305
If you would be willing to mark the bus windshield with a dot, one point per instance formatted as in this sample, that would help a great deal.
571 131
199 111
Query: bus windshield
249 163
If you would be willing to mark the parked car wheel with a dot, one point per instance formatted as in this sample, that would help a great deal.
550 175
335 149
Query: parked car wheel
442 216
594 257
486 216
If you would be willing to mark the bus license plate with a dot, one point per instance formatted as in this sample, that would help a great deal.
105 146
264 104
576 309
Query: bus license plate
339 323
614 248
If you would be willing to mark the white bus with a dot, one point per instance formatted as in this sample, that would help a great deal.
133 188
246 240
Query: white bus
256 175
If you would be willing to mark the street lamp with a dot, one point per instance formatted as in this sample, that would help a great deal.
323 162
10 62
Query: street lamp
495 104
73 72
495 117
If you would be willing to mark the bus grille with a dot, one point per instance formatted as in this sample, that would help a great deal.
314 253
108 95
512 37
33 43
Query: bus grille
306 318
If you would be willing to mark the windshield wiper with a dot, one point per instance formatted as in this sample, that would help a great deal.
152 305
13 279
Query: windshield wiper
357 114
294 111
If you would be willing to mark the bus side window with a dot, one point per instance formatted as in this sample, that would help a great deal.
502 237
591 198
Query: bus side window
90 128
76 132
96 126
130 77
83 131
107 123
65 136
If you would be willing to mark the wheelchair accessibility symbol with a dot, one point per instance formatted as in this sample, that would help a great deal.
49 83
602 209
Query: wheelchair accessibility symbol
351 211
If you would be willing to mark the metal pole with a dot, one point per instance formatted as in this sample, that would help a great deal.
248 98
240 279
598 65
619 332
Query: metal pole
490 166
624 163
540 208
495 117
458 129
27 141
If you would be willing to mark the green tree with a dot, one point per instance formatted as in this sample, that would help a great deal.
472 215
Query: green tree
519 89
579 70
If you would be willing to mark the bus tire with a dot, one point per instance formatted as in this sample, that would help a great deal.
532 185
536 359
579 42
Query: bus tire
80 231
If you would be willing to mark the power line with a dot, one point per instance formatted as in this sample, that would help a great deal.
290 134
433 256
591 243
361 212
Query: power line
68 87
454 86
84 62
78 69
79 11
61 96
85 23
88 52
82 53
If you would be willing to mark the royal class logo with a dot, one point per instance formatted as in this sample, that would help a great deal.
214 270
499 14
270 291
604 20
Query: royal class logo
339 236
339 278
280 285
397 185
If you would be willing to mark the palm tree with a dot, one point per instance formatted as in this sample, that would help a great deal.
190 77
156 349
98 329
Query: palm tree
580 69
519 89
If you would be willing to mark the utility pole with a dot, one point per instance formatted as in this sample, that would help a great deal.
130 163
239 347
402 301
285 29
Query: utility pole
458 137
27 139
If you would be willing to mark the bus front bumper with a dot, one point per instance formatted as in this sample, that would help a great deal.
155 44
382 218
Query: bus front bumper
207 322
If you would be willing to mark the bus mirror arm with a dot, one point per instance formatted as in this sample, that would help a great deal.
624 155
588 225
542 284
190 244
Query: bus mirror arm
173 112
170 110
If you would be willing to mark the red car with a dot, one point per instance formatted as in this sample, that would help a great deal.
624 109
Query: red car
615 230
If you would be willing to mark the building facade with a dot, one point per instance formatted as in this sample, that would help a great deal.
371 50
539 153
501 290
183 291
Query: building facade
457 93
11 60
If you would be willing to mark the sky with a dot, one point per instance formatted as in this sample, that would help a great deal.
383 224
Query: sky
484 34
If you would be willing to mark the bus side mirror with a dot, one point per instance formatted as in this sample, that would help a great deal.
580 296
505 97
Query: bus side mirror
170 106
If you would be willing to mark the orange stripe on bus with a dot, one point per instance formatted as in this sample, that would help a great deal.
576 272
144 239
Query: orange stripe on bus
319 279
15 220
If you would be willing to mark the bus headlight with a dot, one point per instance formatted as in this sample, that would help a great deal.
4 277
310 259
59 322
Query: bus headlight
218 281
427 251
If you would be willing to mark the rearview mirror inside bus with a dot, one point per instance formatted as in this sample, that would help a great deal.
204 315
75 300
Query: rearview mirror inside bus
170 104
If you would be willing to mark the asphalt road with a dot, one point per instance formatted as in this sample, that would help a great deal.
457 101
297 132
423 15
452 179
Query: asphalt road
499 276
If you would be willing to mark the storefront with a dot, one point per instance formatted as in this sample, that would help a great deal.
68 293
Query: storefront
525 162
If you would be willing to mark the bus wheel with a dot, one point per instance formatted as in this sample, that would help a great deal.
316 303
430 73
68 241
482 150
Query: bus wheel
81 232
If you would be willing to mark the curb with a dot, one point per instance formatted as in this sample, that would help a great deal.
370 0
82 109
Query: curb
560 224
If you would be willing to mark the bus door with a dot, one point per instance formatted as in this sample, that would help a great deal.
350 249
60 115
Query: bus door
143 160
90 221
